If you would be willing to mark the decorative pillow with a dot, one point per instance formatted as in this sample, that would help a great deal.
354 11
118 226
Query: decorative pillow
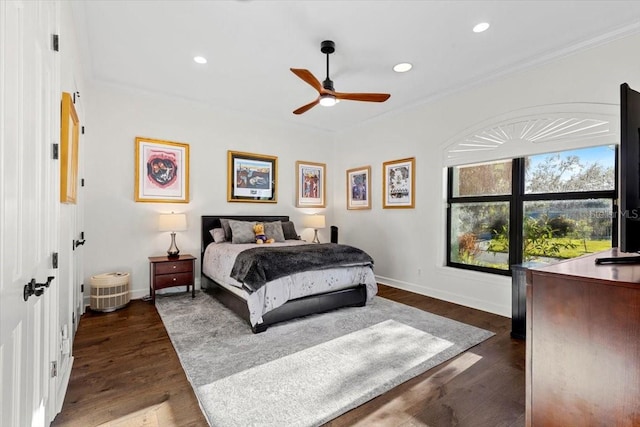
242 231
218 235
227 229
273 230
289 231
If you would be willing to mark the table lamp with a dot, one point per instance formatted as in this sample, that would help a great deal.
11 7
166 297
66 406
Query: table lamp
316 222
172 222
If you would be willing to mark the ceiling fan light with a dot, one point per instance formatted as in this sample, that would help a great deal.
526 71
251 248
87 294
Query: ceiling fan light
328 100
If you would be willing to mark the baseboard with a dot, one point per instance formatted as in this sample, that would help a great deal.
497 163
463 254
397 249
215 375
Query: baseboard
64 384
446 296
138 293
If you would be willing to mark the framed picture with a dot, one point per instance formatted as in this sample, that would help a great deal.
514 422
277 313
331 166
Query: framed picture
310 184
398 184
359 188
162 171
69 137
251 177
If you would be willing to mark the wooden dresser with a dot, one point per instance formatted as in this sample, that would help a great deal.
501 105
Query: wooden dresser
583 343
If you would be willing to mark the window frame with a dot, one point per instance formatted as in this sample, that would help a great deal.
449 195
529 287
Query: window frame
516 201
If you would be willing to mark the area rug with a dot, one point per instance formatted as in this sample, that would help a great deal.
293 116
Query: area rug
307 371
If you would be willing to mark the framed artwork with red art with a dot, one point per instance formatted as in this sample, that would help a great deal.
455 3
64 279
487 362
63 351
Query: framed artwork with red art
162 171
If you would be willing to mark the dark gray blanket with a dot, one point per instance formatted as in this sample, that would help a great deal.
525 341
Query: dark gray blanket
257 266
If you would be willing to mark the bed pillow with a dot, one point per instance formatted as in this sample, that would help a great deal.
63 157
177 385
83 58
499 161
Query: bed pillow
289 231
227 229
218 235
242 231
273 230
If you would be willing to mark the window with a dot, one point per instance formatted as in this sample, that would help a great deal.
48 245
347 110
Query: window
538 208
473 228
488 179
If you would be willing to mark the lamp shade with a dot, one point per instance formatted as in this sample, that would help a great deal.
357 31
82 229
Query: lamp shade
172 222
314 221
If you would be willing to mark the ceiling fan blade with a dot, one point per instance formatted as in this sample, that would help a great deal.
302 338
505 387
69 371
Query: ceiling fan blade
307 107
307 77
368 97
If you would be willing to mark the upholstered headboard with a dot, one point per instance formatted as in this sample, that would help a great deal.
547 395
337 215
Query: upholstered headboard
209 222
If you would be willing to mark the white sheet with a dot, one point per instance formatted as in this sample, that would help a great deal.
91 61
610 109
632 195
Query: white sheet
220 257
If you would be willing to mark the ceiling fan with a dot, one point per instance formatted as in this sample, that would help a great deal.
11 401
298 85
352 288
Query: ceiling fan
327 96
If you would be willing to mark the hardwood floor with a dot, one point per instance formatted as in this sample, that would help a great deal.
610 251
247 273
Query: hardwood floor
124 362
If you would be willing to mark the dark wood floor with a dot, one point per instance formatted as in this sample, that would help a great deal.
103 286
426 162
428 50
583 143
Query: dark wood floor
124 362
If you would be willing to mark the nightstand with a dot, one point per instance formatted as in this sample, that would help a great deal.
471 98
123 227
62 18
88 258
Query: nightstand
168 272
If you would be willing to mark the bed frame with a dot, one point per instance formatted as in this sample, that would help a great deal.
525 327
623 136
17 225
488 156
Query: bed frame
352 297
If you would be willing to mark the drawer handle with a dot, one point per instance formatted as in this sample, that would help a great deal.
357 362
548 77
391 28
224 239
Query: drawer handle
174 279
174 266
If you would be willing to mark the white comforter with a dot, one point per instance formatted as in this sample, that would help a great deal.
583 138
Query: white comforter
220 257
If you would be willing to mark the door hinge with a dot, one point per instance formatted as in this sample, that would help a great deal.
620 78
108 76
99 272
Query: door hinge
82 287
54 151
81 182
55 42
73 317
82 130
54 260
54 369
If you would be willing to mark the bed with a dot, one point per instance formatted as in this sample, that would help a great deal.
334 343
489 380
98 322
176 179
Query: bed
279 297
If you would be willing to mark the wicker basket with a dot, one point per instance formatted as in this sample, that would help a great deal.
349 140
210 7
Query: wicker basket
109 291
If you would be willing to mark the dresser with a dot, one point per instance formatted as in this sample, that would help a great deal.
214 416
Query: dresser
168 272
583 343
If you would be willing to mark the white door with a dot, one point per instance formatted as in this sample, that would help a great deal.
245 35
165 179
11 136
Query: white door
29 210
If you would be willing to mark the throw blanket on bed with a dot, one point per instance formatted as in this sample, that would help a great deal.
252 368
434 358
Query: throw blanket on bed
257 266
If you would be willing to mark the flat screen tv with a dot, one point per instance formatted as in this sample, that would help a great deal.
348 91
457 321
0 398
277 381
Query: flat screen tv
629 209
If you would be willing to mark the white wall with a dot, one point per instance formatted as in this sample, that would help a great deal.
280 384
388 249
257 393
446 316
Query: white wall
121 234
407 244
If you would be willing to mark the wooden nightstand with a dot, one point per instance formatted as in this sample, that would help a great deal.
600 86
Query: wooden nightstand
168 272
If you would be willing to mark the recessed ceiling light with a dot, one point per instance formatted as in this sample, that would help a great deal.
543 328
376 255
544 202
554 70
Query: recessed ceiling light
403 67
483 26
200 59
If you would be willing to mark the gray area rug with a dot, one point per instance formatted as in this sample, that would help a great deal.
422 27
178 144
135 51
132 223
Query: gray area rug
307 371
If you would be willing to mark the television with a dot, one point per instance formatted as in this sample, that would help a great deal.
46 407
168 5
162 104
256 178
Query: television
629 204
629 178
